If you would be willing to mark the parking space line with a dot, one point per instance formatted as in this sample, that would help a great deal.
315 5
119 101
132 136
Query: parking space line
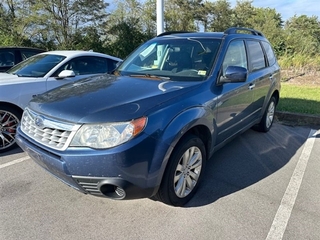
14 162
282 216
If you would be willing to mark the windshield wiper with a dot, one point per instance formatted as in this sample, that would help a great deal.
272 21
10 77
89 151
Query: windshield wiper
149 76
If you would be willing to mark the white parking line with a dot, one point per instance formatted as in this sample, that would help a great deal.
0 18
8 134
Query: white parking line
14 162
281 219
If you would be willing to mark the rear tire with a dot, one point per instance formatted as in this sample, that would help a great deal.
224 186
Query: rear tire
9 121
184 172
268 117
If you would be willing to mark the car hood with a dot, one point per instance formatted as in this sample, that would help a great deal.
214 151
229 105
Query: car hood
6 78
108 98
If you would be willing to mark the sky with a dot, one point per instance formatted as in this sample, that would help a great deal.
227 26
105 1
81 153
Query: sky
288 8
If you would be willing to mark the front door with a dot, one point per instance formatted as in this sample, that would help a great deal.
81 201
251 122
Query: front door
234 104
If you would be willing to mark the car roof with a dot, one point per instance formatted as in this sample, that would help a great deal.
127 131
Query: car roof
75 53
193 34
18 48
233 31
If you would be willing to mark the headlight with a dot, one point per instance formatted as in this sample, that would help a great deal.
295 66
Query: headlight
107 135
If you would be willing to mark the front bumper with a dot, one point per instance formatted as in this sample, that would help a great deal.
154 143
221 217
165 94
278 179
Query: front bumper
115 173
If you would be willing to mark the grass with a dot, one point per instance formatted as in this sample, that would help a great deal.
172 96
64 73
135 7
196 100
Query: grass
298 62
299 99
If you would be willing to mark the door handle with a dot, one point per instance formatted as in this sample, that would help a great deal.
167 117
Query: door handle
252 86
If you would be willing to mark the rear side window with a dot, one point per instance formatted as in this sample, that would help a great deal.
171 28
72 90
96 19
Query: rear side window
270 54
256 55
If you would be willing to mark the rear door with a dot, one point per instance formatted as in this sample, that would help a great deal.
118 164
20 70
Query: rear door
259 70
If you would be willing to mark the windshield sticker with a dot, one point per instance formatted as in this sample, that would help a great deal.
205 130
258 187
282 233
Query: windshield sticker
202 72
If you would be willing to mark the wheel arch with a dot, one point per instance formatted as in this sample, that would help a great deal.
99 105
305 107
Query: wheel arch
192 121
11 105
276 94
203 133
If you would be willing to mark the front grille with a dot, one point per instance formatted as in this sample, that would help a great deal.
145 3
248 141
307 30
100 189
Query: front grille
49 132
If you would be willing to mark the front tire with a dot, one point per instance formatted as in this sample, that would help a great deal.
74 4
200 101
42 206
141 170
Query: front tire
9 121
183 173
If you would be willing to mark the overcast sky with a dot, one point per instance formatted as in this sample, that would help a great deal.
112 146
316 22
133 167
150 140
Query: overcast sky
288 8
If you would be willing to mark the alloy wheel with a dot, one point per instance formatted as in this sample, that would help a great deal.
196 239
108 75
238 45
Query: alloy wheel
187 172
270 114
8 126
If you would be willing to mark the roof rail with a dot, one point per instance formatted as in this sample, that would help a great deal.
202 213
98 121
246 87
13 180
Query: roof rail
172 32
234 30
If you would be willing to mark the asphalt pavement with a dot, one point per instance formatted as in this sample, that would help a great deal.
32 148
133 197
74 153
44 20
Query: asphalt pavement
259 186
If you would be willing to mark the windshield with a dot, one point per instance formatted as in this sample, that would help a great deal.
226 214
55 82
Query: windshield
175 59
36 66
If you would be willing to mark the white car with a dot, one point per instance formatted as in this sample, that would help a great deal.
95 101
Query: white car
39 74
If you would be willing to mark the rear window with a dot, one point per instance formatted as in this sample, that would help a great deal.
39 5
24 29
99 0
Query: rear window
270 54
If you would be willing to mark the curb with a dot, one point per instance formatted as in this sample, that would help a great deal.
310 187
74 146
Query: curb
297 119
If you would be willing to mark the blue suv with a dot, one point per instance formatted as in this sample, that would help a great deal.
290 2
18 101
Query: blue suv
148 129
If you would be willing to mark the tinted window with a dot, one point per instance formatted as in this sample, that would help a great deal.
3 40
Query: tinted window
270 55
26 53
112 65
256 55
235 56
177 59
36 66
86 65
6 58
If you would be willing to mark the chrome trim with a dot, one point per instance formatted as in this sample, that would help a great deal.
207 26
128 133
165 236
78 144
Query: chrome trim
47 131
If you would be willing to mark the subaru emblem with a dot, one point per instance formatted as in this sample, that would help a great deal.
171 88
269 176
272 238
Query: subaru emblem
38 121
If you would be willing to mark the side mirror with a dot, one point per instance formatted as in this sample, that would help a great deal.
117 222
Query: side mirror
234 74
114 71
66 73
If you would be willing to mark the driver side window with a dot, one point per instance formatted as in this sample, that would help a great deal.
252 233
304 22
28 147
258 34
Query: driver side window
235 56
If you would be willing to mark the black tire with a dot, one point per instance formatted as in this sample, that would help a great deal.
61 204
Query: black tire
268 116
187 175
9 121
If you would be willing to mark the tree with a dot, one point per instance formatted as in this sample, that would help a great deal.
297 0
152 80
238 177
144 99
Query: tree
61 21
180 15
243 12
89 39
302 35
128 37
269 22
125 29
12 27
149 18
221 16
